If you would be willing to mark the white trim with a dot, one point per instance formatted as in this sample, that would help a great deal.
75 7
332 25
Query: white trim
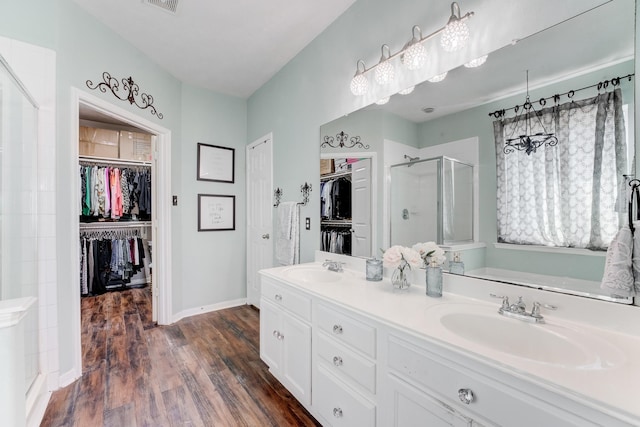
68 377
208 308
161 231
463 246
550 249
37 400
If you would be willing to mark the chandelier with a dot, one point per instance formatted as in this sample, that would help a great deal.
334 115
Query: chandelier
529 142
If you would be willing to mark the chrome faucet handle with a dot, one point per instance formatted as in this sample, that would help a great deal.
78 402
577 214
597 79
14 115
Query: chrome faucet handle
535 310
520 306
505 300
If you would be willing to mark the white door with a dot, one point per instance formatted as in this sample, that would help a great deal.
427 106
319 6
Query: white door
259 214
361 208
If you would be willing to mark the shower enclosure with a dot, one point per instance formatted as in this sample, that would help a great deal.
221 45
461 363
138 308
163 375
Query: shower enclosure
431 200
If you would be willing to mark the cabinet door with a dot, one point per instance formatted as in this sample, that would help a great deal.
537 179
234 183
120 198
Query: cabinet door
412 408
270 332
361 208
296 361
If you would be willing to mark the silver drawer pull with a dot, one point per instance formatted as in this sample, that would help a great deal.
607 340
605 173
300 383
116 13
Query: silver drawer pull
466 395
337 329
278 297
337 412
337 360
280 337
276 333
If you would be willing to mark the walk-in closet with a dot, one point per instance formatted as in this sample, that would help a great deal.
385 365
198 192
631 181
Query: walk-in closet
116 186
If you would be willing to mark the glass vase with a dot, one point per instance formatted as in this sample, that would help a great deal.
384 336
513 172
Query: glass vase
400 276
434 281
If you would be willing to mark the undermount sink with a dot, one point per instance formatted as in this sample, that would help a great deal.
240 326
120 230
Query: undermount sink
312 274
548 343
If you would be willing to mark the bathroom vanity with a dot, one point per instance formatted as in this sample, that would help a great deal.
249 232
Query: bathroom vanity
358 353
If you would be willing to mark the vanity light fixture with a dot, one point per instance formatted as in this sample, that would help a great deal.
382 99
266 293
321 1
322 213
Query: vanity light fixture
456 33
529 142
383 101
385 72
476 62
414 54
438 78
360 83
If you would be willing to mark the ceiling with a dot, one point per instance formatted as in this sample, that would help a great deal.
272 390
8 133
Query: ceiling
201 43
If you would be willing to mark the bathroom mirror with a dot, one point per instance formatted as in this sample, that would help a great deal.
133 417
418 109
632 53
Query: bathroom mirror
591 47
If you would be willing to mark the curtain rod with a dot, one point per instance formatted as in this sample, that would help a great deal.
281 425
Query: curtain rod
556 98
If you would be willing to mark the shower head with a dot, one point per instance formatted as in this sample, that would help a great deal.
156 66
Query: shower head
411 159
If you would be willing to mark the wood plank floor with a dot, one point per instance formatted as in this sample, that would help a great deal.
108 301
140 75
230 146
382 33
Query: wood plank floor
201 371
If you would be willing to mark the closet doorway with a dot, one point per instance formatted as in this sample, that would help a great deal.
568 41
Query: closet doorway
155 225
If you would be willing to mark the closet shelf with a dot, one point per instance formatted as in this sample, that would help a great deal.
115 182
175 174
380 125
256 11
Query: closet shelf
336 222
111 161
335 175
113 224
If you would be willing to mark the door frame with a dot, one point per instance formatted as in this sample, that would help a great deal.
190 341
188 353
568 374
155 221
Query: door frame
161 214
266 138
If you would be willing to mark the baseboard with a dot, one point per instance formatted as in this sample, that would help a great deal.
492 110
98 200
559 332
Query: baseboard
208 308
37 400
68 377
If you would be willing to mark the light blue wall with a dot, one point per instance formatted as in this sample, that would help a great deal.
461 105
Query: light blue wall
208 268
476 122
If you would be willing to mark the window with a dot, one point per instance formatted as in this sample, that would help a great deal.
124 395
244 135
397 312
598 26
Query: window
572 194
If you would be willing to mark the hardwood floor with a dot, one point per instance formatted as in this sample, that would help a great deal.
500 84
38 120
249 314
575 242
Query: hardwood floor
204 370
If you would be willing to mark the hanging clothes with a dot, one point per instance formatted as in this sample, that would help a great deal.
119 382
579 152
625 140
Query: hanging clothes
336 240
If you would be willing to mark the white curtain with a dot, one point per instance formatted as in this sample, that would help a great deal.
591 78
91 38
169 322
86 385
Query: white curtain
565 195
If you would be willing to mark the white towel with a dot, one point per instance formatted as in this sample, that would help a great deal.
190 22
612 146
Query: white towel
622 263
288 233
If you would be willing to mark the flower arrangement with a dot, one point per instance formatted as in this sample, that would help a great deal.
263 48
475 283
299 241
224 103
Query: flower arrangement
430 251
398 255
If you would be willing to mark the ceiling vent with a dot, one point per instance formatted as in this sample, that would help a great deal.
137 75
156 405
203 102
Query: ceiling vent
170 6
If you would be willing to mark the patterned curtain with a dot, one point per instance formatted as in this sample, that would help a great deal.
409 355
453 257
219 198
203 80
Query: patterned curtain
566 195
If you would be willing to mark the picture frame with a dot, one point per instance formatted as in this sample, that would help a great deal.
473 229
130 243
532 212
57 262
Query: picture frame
216 163
216 212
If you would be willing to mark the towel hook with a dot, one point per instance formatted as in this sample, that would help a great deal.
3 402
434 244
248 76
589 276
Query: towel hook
305 190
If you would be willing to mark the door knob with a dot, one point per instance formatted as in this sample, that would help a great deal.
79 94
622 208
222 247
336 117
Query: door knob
265 236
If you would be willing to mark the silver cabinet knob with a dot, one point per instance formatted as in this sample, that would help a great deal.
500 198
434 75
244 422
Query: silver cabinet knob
465 395
265 236
337 412
280 337
337 360
337 329
278 297
276 333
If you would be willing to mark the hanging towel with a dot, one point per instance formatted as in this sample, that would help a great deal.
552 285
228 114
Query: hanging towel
622 263
288 233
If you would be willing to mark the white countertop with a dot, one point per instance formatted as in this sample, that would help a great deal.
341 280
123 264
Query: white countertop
609 389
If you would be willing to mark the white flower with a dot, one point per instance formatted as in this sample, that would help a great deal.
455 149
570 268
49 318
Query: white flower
412 257
394 256
430 251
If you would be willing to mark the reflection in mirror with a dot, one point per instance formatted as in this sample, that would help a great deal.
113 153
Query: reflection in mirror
457 108
431 201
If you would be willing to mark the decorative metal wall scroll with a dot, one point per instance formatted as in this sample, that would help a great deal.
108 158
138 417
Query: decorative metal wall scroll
340 141
128 85
304 189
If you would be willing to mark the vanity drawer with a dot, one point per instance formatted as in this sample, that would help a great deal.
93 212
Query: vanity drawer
491 400
347 330
346 363
286 297
340 406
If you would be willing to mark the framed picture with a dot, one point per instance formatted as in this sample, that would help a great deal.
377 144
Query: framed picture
216 163
216 212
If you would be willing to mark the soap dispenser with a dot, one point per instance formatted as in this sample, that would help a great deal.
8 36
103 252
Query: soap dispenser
456 266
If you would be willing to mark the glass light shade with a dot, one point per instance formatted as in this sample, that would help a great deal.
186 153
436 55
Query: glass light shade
385 73
476 62
414 56
455 35
407 91
359 85
383 101
438 78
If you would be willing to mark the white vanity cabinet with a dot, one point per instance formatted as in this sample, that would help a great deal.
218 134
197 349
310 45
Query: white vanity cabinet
285 337
344 374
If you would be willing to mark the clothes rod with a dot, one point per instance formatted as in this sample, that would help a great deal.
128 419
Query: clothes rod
103 225
106 160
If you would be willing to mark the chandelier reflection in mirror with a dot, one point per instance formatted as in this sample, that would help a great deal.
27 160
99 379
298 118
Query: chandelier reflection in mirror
529 142
453 37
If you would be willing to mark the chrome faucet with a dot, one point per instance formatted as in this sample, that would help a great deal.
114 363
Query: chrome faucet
333 265
519 310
